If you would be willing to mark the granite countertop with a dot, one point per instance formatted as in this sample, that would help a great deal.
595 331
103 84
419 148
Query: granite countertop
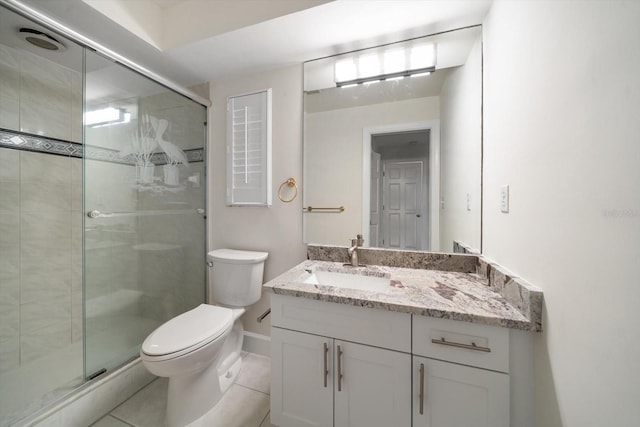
455 295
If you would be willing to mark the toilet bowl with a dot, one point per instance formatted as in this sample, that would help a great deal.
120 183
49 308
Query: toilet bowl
199 350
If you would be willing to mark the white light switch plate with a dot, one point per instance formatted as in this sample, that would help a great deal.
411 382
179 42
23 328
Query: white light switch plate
504 199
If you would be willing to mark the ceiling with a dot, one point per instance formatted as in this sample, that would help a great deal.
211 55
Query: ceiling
194 41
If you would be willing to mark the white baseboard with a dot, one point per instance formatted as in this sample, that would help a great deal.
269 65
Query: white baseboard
256 343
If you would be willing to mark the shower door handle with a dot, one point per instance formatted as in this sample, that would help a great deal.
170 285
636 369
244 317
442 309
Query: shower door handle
97 214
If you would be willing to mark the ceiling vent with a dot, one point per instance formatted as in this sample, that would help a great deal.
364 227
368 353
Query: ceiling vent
41 40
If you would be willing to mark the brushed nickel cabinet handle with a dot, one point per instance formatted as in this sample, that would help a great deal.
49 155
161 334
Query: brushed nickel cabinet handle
421 391
473 345
339 369
326 369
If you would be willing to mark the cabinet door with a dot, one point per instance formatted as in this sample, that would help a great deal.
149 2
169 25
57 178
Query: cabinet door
375 386
458 396
300 396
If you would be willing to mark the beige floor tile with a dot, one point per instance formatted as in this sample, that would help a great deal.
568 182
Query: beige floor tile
147 407
267 422
240 407
110 421
246 403
255 373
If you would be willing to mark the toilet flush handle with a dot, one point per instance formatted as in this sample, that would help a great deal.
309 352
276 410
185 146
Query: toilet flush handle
210 263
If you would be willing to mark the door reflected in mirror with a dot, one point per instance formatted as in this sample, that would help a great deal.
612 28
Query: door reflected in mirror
398 147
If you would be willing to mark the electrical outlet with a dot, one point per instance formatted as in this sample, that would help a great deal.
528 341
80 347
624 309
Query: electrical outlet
504 199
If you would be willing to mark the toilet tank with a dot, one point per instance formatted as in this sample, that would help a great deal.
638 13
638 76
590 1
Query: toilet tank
235 277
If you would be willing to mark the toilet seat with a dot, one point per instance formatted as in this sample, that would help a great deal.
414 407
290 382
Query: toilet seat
187 332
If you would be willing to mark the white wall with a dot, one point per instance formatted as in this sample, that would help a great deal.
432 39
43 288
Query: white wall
333 152
561 108
460 153
276 229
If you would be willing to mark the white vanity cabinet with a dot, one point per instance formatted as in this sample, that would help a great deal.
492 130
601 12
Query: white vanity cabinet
342 365
301 387
339 365
460 374
373 390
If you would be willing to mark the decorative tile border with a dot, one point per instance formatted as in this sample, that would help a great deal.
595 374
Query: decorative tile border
21 141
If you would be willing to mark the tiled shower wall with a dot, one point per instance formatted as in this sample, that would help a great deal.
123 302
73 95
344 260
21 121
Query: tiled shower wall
39 96
40 254
40 211
174 264
175 270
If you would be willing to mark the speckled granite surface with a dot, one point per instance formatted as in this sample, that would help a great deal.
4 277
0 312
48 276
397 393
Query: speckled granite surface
521 294
463 248
396 258
515 291
444 294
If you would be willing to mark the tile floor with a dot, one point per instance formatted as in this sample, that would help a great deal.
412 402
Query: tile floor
246 403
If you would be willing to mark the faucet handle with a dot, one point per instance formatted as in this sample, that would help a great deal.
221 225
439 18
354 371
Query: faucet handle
360 240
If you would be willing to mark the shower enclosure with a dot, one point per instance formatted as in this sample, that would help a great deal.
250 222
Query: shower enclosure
102 227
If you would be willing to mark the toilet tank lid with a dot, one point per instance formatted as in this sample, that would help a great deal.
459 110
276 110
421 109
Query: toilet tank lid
233 256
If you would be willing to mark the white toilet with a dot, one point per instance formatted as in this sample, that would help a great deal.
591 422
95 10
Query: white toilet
200 350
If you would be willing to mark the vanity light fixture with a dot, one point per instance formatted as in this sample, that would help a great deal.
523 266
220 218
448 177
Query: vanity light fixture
390 65
369 66
423 56
106 116
384 77
394 61
345 70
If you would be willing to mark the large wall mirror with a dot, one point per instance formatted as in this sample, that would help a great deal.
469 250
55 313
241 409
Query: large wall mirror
393 144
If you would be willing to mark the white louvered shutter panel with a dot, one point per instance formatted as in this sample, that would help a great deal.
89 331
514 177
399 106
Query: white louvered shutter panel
249 149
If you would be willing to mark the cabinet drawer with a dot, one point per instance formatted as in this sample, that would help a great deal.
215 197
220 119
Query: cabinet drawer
380 328
466 343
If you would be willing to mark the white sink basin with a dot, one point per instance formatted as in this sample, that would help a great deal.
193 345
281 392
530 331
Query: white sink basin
349 281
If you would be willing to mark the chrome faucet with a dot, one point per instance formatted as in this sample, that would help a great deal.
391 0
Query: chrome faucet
353 250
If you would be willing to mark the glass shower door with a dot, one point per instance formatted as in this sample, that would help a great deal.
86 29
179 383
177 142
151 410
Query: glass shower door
144 199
